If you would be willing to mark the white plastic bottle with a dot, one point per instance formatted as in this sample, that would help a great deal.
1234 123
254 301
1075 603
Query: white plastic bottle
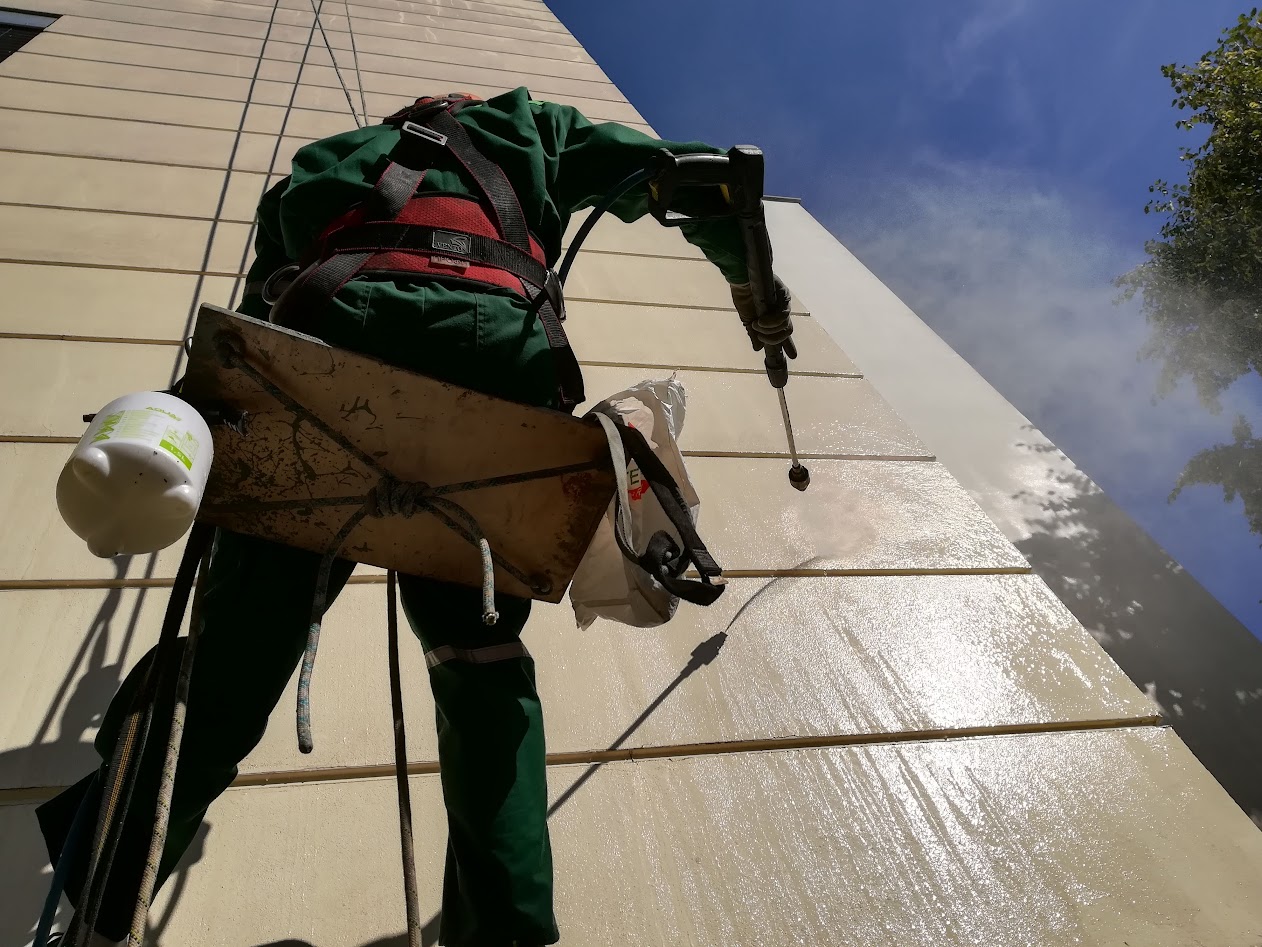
135 480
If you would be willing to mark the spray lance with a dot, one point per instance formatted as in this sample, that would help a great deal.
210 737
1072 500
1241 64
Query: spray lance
718 186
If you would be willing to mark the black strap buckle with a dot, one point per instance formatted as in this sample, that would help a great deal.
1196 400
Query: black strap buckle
426 134
554 293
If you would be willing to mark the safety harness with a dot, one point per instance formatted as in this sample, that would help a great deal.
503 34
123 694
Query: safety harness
454 238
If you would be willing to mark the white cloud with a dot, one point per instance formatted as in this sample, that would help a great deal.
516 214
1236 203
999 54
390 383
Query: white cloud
1018 280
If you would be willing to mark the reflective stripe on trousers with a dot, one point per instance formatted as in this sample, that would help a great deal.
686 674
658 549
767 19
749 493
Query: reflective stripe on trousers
487 655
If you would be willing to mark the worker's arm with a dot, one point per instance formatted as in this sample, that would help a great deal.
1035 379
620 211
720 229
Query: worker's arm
269 252
591 159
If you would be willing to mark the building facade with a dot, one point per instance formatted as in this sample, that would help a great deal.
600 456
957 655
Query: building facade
888 731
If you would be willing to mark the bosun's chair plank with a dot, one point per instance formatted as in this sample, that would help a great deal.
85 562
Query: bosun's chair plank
285 479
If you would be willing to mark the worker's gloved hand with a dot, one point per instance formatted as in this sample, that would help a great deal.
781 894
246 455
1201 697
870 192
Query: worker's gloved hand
768 329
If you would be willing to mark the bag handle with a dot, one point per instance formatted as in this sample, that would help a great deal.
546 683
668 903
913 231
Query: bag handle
662 558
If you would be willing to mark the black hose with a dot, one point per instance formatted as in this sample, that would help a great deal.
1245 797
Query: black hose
627 183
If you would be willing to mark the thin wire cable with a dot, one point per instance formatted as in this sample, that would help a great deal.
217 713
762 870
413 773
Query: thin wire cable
359 76
333 59
270 170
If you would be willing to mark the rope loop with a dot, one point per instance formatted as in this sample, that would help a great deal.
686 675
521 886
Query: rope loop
391 497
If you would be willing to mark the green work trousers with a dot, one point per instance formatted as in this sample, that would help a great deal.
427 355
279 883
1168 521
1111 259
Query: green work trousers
498 884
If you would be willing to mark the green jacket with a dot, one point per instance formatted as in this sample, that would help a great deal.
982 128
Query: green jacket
559 163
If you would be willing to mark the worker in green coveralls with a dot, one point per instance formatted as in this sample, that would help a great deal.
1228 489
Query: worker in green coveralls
447 324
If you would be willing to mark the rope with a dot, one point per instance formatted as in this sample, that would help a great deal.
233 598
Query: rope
166 787
359 76
319 605
406 841
390 497
223 198
280 137
124 765
333 58
393 497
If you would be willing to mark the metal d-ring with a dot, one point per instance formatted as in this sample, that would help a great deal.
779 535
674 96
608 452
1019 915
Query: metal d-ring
271 292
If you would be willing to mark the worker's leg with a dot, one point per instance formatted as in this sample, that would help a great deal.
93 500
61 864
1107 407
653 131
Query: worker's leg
498 885
255 617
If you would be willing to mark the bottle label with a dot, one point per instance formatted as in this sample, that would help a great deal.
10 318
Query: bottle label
151 426
181 445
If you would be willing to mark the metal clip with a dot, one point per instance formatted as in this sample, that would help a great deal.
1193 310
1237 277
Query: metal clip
428 134
271 290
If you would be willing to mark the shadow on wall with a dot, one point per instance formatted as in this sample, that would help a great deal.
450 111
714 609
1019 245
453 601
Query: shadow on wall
1166 632
75 709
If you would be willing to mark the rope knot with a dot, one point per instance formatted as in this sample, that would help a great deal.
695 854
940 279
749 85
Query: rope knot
391 497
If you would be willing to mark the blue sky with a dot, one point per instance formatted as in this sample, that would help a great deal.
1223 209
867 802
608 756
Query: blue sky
989 160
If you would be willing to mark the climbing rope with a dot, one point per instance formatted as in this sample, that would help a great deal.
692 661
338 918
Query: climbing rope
166 785
280 137
124 767
406 841
315 12
359 76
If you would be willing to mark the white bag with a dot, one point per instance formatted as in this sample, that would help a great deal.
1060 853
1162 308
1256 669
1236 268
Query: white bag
650 523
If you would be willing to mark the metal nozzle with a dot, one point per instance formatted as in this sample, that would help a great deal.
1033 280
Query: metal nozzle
799 476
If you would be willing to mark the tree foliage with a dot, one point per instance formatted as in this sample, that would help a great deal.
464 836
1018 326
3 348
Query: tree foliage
1201 286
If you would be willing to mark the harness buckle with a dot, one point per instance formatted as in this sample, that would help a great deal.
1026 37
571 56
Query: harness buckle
555 293
272 288
427 134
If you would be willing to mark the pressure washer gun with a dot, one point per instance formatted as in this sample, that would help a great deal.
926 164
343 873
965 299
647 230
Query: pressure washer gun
735 185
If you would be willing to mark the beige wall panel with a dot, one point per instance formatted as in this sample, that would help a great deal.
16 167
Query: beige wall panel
727 412
376 53
731 412
73 378
68 652
112 75
168 38
245 189
302 123
180 16
104 50
89 183
71 649
1057 840
651 335
38 545
402 38
386 93
383 22
264 153
295 14
645 236
490 62
47 133
485 12
425 13
62 300
808 657
49 235
868 656
419 78
608 277
115 103
857 515
1097 839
